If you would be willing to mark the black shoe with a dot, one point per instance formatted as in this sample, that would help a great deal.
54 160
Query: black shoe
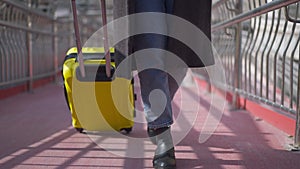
164 157
165 161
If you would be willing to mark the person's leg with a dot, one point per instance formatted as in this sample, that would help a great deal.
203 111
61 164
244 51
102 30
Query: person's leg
152 75
151 67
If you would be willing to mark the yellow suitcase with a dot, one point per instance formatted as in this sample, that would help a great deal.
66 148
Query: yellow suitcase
97 103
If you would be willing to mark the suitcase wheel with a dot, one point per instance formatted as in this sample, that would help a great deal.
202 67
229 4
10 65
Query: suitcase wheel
80 130
126 130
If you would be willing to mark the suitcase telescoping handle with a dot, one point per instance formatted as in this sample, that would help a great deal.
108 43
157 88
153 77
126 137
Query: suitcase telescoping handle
105 39
77 38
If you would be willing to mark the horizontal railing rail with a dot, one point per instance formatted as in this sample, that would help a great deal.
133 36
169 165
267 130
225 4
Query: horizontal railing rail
271 6
28 10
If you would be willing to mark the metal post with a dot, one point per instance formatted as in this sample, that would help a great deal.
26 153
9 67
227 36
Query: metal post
29 50
55 51
238 57
297 130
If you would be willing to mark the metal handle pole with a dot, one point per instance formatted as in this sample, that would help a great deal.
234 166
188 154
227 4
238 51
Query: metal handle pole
78 40
105 38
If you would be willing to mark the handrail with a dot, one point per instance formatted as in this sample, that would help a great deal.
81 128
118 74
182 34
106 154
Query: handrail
271 6
29 10
24 28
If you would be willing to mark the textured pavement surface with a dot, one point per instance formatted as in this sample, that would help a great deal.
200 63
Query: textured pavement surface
36 132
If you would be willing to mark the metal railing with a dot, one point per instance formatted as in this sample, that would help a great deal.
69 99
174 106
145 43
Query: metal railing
28 44
258 42
33 43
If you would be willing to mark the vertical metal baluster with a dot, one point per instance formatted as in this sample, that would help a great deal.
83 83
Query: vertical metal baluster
269 53
255 35
284 64
12 48
229 48
244 48
5 56
18 46
227 57
275 60
231 56
292 63
224 50
8 47
2 56
37 42
1 49
2 64
276 33
291 73
23 49
263 55
235 8
230 6
247 58
223 11
260 47
256 55
24 54
225 42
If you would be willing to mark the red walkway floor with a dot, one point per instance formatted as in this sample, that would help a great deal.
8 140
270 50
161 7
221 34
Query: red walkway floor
36 132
